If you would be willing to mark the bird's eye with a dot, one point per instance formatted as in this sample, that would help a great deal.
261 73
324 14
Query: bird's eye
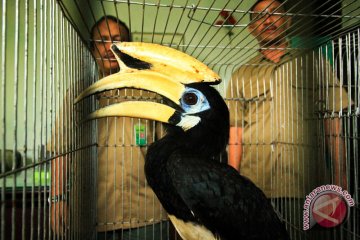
190 98
193 101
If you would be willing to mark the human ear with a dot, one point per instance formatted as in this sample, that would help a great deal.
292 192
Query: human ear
251 27
288 22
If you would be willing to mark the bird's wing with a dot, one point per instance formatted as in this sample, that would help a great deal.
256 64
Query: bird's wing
222 200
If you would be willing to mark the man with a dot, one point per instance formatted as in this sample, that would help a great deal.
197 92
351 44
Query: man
126 207
106 31
275 102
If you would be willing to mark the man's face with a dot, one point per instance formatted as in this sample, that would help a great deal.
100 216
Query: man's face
107 32
266 26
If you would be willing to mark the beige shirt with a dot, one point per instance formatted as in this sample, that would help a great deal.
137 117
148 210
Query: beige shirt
124 198
280 107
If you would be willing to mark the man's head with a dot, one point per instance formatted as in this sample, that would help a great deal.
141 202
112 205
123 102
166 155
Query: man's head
268 22
106 31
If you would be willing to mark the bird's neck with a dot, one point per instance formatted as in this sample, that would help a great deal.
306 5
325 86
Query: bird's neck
157 175
205 141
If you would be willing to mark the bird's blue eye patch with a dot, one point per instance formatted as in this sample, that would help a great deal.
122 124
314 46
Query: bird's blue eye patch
193 101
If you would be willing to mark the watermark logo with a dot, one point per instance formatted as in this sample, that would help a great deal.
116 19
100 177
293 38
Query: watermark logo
327 205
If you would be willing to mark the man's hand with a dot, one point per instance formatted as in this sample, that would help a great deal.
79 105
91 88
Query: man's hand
337 150
59 217
235 147
59 191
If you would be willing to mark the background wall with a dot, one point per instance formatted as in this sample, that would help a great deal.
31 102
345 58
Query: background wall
34 64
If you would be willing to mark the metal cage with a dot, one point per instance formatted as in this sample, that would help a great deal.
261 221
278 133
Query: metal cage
46 60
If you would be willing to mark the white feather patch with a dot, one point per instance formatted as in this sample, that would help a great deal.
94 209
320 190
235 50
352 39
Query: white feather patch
191 231
188 122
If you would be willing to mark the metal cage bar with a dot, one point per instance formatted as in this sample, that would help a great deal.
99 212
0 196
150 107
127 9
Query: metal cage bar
46 60
43 59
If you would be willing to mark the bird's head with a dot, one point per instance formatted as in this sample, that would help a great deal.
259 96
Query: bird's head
172 74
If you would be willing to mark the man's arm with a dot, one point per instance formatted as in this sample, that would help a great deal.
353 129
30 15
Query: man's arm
58 198
235 147
336 146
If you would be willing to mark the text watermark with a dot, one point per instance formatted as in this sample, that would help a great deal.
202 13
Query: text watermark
326 205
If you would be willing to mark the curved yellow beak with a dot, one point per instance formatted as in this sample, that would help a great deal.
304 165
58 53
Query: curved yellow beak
147 110
155 68
145 79
180 66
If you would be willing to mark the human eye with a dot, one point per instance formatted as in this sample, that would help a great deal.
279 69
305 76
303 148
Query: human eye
116 38
106 39
276 12
258 16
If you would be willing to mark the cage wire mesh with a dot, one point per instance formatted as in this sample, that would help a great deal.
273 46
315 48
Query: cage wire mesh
39 67
46 153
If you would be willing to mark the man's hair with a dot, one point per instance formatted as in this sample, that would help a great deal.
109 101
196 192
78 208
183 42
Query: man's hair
124 30
259 1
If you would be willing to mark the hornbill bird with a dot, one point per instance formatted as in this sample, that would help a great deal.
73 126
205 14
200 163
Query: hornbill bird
205 199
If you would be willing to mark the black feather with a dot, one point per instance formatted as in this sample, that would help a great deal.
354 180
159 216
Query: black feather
183 170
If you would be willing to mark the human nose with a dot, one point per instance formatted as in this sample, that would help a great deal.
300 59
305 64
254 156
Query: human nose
268 19
107 45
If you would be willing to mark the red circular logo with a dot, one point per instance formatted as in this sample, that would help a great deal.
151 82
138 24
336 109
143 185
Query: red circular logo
329 210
